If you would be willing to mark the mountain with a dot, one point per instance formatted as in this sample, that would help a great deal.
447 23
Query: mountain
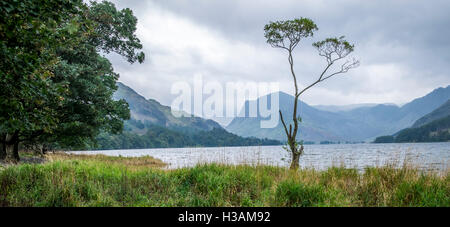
388 119
150 110
437 130
335 108
160 137
358 124
440 112
152 125
433 127
317 125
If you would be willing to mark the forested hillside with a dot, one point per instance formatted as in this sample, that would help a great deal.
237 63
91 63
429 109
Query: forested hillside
160 137
152 125
433 127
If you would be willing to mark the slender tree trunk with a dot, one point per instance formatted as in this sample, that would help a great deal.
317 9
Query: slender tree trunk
295 163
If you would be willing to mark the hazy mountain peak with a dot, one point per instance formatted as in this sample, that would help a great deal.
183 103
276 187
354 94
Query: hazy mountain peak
357 123
150 110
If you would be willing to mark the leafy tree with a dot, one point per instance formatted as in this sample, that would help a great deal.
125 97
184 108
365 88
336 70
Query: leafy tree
30 31
287 35
89 107
73 101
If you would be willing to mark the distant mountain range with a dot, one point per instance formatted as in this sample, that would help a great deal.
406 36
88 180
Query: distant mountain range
433 127
152 125
335 108
354 123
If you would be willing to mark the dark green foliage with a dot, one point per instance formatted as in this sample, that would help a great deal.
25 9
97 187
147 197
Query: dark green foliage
287 34
384 139
30 31
115 31
88 106
435 131
30 34
440 112
55 87
160 137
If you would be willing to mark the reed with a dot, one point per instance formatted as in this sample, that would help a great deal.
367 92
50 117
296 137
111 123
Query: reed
84 180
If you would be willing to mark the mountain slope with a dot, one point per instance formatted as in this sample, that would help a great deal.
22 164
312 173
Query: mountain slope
152 125
440 112
363 123
335 108
149 110
316 125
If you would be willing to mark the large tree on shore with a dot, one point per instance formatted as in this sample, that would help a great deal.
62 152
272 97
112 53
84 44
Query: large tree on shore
56 88
88 107
287 35
30 31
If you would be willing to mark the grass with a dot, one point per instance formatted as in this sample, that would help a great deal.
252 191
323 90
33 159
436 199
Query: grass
82 180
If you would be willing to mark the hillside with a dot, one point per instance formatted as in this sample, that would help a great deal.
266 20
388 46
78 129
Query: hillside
440 112
435 131
336 108
152 125
150 110
433 127
160 137
316 125
357 124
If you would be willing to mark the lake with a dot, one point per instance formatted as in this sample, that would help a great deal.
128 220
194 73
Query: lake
425 156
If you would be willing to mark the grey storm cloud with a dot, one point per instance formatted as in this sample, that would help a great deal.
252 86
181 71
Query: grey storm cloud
404 46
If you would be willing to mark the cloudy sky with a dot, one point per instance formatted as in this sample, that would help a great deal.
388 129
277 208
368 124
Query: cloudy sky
403 46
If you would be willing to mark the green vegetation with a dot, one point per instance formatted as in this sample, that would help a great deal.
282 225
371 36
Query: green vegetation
435 131
152 125
160 137
56 87
385 139
439 113
72 180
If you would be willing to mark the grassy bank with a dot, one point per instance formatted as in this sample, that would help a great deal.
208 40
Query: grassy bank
80 180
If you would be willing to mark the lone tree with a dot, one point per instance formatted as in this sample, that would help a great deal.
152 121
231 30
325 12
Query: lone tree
287 35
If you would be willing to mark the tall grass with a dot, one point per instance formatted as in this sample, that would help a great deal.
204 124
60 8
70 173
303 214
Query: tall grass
104 181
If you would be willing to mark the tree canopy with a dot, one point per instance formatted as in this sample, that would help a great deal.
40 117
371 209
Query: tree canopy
56 88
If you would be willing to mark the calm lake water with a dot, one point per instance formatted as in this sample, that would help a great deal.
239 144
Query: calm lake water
426 156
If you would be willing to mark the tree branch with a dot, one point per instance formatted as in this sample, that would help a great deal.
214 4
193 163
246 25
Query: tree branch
284 124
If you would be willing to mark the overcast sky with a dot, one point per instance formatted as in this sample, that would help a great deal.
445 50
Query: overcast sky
403 46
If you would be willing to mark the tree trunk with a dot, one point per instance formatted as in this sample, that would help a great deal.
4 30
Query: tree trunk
296 153
295 163
3 151
16 150
12 148
44 149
